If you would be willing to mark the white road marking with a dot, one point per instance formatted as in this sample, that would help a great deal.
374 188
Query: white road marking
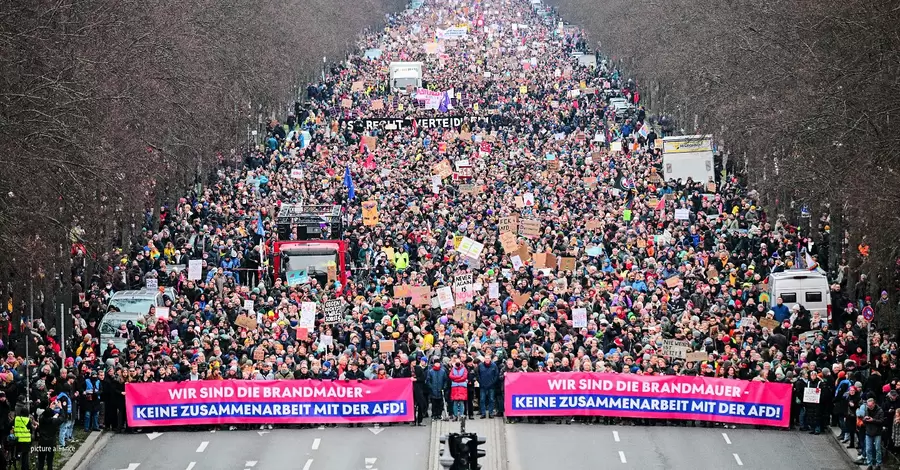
616 436
250 463
191 465
316 443
376 430
370 462
308 464
213 431
132 466
727 440
154 435
622 457
202 446
737 459
262 432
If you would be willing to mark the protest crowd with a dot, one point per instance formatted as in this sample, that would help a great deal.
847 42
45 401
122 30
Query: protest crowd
596 274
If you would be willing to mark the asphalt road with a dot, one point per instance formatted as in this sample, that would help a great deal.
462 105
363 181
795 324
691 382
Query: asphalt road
547 446
393 448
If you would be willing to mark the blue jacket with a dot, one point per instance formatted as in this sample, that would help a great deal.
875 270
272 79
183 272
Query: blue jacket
436 380
488 375
781 312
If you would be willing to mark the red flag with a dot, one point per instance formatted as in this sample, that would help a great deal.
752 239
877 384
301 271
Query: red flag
370 162
661 204
415 127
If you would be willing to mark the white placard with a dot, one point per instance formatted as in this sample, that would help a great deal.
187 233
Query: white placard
195 269
682 214
529 199
297 173
445 297
307 315
162 313
152 283
494 290
675 348
579 317
516 261
326 340
812 395
248 305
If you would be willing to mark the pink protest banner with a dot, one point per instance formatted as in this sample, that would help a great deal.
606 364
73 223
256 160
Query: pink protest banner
638 396
269 401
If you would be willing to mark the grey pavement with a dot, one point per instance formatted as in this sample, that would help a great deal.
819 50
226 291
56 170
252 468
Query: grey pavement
491 429
543 446
398 447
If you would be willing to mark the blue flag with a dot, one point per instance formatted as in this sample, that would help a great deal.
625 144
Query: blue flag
259 225
348 182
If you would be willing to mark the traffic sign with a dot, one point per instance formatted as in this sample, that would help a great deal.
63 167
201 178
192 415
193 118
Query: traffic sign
868 313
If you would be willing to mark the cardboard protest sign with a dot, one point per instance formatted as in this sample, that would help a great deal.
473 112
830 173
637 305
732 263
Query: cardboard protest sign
553 165
357 86
567 264
346 103
697 356
464 315
334 311
442 169
593 224
386 346
509 242
402 291
544 261
370 213
370 142
710 187
421 296
508 224
524 252
520 203
769 323
641 243
530 228
470 189
377 105
675 348
672 282
245 322
521 299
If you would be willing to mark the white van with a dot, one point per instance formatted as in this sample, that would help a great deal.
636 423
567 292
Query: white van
799 286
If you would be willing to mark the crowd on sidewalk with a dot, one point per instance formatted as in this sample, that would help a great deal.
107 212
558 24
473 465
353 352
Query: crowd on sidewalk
544 145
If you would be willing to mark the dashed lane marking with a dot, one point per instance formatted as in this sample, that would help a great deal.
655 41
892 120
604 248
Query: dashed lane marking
202 446
616 436
622 457
308 464
737 459
316 442
727 440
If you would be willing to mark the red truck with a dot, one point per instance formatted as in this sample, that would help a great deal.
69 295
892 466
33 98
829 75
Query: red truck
308 242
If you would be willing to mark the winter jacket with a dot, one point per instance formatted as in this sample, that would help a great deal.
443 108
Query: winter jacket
875 426
459 383
436 380
488 375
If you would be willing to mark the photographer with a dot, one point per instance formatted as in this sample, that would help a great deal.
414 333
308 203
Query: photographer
48 432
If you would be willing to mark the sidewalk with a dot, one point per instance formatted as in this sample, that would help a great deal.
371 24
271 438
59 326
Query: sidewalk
491 429
852 453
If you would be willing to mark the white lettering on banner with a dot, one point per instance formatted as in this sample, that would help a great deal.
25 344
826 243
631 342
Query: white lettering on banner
265 392
390 408
645 387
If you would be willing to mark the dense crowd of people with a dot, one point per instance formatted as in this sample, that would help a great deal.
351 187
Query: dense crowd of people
544 145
